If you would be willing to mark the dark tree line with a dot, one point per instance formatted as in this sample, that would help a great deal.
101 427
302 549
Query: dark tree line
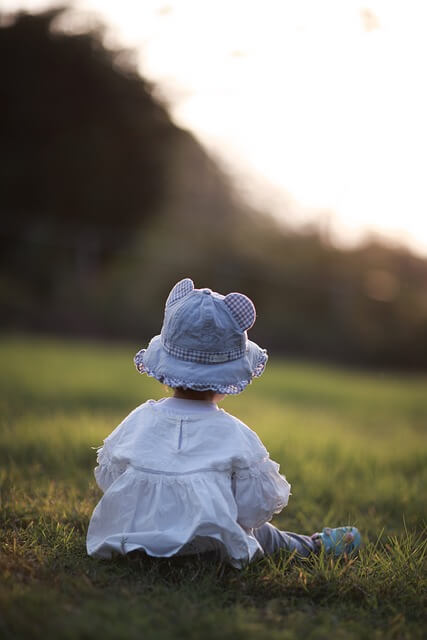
106 203
84 147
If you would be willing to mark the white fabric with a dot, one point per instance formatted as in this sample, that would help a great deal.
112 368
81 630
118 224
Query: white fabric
182 476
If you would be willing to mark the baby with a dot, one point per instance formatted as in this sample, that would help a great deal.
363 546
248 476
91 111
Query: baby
182 476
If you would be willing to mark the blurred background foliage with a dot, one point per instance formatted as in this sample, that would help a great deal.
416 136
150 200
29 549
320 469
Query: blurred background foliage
106 203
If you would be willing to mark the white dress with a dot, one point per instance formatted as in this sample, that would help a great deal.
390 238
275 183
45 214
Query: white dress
183 476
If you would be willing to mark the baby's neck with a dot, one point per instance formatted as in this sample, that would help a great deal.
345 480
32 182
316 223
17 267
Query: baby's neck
204 396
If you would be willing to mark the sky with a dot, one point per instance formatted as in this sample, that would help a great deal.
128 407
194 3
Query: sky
316 107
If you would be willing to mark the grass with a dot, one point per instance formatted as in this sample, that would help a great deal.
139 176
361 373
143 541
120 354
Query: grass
353 446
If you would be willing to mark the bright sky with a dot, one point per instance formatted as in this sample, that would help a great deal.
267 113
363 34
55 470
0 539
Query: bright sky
315 106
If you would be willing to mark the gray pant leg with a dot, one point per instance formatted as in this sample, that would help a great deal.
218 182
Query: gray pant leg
272 539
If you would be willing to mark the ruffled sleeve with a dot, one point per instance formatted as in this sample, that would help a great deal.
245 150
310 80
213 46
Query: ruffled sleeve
107 470
260 492
111 461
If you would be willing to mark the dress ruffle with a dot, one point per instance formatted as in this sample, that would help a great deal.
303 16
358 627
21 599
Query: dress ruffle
160 514
176 502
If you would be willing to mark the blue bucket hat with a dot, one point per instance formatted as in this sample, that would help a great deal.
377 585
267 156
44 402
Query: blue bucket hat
203 344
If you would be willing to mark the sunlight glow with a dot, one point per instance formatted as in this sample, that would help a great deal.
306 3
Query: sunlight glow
324 102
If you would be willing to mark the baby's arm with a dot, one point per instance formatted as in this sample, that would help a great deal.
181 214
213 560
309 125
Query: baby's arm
260 492
111 464
107 470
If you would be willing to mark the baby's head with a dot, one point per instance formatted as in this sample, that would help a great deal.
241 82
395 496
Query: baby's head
203 345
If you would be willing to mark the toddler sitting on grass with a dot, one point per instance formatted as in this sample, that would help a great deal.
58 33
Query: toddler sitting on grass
182 476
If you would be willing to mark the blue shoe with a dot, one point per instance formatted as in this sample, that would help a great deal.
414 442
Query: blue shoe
339 541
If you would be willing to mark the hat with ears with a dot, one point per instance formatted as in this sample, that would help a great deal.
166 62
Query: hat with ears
203 344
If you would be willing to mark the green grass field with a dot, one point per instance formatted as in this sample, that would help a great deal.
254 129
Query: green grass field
352 445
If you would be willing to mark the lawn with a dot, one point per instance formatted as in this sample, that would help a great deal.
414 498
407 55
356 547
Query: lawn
352 444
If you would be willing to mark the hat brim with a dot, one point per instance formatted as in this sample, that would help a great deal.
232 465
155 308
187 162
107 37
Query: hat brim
226 377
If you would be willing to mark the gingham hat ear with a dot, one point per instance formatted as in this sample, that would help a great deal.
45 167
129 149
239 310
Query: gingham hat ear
242 309
180 290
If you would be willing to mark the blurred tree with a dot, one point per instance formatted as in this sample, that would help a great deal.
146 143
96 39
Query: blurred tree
106 204
84 149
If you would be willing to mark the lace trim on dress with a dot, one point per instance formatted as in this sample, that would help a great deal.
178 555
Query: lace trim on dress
107 471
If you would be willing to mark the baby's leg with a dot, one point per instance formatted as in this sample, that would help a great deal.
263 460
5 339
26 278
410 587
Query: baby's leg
272 539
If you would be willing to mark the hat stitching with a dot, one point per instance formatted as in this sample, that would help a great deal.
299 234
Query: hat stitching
202 357
229 389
